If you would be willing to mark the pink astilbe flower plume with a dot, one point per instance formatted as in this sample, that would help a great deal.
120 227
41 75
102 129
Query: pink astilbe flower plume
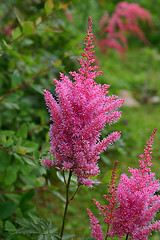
133 205
79 114
122 23
137 202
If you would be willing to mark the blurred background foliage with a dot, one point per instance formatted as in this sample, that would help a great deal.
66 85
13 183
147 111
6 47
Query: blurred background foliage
38 40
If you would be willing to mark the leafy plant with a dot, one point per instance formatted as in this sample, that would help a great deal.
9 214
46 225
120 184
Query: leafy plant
34 227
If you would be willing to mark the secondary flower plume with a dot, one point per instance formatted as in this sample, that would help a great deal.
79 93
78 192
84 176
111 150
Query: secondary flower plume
79 112
133 206
137 201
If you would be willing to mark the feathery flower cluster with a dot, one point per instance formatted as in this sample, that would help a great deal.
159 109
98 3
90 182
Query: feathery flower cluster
137 203
79 114
123 20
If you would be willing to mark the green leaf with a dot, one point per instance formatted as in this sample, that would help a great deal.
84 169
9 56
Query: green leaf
9 226
16 79
10 105
36 155
28 27
16 32
107 177
29 161
3 140
40 181
7 209
1 224
22 131
19 15
5 45
48 6
9 142
39 19
52 29
21 150
31 146
68 236
11 175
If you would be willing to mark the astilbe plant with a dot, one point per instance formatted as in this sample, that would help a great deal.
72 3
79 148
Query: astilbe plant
135 205
79 114
123 22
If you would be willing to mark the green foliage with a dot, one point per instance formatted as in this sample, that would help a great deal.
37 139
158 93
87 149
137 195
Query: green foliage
33 227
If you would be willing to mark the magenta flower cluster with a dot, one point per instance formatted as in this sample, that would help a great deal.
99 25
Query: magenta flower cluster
79 113
137 203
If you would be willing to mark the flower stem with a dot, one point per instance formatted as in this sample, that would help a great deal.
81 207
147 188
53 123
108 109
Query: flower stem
107 232
67 202
127 236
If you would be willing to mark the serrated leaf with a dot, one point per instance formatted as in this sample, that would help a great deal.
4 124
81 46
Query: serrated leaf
22 222
38 228
22 131
48 6
42 222
29 230
18 15
28 27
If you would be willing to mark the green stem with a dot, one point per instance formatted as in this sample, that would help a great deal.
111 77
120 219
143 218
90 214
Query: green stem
127 236
67 202
107 232
74 193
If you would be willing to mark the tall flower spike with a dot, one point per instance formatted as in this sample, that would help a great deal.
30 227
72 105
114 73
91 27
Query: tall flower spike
108 211
137 202
79 114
